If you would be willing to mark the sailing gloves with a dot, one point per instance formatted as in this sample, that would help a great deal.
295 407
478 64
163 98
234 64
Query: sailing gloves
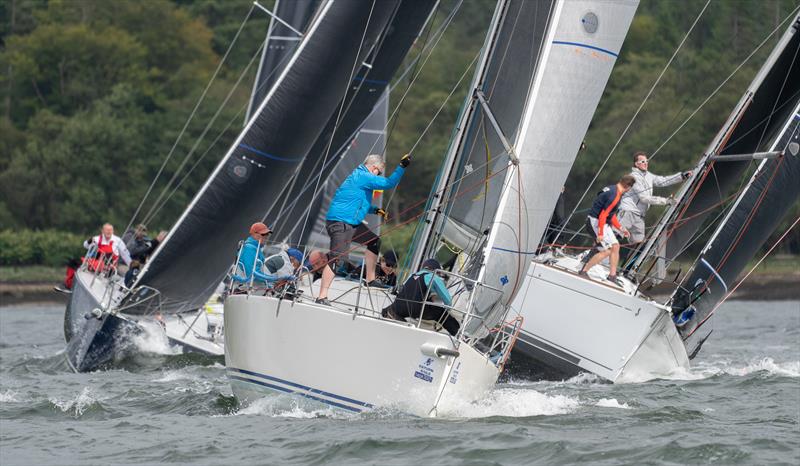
405 161
382 213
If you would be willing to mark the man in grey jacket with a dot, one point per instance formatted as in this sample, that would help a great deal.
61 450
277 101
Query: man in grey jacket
634 203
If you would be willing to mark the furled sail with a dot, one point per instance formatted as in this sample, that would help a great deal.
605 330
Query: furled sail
772 191
279 45
202 244
756 115
367 88
544 70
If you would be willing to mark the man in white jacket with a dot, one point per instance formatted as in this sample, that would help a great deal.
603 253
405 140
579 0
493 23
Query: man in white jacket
110 245
634 203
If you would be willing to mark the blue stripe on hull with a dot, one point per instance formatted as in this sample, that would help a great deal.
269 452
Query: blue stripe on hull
305 389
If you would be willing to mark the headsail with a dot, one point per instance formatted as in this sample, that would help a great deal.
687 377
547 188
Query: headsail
756 116
279 45
544 70
366 90
201 245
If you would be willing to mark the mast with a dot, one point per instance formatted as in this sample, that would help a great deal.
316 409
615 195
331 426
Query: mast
279 44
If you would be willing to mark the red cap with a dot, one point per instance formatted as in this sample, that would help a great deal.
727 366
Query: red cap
259 228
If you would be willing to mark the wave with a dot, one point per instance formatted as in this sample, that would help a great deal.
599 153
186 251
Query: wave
153 340
10 396
86 401
512 402
764 366
611 403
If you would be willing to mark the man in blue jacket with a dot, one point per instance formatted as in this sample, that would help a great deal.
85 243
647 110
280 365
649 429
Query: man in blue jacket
251 258
350 205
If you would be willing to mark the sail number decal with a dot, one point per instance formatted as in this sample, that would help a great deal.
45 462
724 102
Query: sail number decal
425 370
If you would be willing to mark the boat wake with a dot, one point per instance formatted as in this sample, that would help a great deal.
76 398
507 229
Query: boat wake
766 367
153 340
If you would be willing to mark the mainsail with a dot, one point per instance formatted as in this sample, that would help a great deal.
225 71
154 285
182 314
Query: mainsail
202 244
544 69
367 88
279 44
757 114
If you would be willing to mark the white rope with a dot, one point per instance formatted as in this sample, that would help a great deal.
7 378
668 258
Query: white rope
633 118
191 116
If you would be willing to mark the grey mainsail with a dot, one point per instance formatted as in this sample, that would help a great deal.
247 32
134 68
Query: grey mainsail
544 69
200 246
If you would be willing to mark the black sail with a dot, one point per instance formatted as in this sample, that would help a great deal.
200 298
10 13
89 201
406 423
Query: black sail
365 91
714 184
202 244
279 45
772 191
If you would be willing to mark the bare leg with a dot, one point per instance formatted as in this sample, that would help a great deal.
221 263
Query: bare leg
614 260
370 259
327 279
596 259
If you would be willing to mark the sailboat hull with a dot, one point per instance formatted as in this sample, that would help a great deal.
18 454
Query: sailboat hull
573 324
94 338
347 360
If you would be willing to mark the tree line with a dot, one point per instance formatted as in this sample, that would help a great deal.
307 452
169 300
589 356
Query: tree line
95 94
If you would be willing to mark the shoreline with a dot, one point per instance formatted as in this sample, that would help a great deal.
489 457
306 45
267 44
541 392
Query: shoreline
759 287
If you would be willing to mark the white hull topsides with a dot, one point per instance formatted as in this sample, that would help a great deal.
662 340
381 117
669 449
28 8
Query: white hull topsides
350 360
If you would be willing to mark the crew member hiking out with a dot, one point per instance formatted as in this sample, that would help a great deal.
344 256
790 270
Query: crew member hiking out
634 204
604 211
350 205
411 297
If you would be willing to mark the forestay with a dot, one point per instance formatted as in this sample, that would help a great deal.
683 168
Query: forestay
202 244
541 79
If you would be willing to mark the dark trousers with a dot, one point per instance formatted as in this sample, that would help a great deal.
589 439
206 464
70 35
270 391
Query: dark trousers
431 312
342 234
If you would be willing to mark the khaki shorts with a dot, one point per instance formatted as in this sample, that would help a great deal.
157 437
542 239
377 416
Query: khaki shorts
634 223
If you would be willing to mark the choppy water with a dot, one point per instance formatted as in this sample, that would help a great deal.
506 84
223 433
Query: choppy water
739 405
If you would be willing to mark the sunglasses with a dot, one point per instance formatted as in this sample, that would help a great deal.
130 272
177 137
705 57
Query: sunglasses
266 234
643 161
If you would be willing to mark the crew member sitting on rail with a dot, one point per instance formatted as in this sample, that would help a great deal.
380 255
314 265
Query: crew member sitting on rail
411 297
110 248
251 258
604 210
385 271
350 205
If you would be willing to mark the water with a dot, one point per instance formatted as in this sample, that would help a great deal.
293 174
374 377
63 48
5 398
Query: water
740 404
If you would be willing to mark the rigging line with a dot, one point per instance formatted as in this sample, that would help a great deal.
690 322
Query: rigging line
758 47
341 108
440 33
200 138
635 115
186 125
235 118
796 221
436 115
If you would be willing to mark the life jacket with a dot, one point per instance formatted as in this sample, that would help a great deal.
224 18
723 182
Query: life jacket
104 256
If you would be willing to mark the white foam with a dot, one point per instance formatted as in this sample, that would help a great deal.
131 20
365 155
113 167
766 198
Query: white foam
710 369
153 340
77 405
611 403
768 365
289 407
512 402
9 396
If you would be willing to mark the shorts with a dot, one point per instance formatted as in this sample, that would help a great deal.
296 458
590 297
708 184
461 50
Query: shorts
634 223
342 234
609 238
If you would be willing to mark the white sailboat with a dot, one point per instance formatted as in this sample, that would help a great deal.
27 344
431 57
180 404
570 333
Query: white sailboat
576 325
534 95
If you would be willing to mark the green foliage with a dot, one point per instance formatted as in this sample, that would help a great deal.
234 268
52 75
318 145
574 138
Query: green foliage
46 247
